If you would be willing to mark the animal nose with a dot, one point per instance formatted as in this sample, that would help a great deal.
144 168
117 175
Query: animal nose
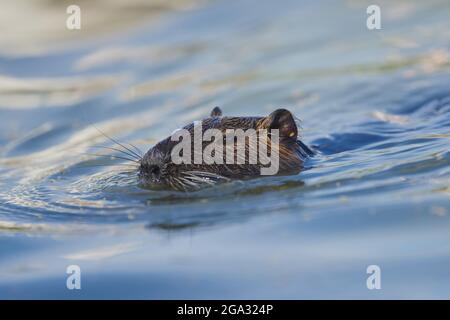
155 171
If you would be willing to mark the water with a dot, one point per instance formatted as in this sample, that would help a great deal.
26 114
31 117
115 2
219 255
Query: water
376 104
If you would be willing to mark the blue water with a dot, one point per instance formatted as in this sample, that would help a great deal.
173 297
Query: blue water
375 104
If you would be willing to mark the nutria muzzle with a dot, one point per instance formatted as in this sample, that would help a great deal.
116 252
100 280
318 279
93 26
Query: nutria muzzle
222 148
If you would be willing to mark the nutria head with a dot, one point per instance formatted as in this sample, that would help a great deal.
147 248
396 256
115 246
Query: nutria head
229 148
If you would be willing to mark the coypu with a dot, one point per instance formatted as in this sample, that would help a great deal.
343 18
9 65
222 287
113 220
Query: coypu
158 168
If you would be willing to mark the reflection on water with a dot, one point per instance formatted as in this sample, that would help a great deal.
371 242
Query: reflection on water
375 104
34 28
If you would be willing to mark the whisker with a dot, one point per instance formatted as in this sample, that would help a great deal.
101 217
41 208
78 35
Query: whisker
111 156
115 141
206 174
198 179
176 184
186 181
137 149
109 165
183 184
180 184
118 150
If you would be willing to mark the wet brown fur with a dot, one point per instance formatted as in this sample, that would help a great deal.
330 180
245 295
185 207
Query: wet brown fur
157 169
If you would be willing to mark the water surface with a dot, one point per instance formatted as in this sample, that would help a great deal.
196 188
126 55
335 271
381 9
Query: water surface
375 104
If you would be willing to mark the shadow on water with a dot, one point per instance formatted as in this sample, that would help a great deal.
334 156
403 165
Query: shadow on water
215 196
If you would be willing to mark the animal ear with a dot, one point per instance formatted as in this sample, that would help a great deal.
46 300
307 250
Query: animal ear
282 120
216 112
